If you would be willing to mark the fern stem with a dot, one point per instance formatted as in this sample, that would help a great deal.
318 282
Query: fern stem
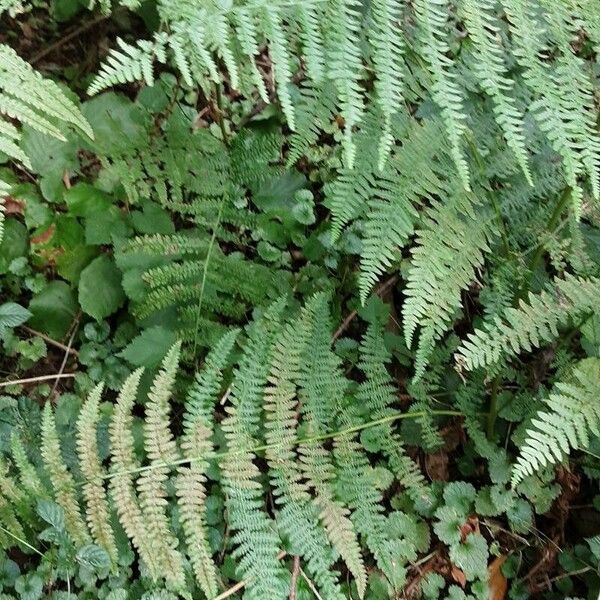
21 541
205 273
220 112
296 442
537 257
493 408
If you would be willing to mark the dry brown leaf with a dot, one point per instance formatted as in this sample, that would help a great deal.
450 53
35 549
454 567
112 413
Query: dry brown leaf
496 581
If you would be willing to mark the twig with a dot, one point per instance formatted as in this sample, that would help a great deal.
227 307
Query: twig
75 326
379 290
50 341
36 379
294 581
241 584
67 38
311 585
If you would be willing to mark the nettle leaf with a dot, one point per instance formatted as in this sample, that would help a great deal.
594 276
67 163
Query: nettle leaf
150 347
12 315
471 556
51 513
93 557
100 289
53 309
460 496
449 524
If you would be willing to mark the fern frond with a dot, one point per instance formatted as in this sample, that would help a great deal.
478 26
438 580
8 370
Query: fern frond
431 16
449 249
254 534
28 475
297 516
161 450
388 50
123 464
573 413
490 70
197 446
61 480
411 174
530 324
377 394
97 512
130 63
342 20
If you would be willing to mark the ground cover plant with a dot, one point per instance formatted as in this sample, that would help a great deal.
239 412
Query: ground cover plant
300 300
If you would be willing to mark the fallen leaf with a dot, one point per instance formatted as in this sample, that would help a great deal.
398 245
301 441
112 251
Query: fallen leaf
458 576
12 206
496 581
43 237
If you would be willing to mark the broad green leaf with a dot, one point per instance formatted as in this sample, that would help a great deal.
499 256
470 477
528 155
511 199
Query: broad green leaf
100 290
12 315
53 309
150 347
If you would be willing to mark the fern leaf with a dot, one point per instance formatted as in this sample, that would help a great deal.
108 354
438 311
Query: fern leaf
61 480
28 475
432 16
388 49
297 516
530 324
123 463
130 63
489 67
97 512
573 413
161 450
197 446
254 534
449 249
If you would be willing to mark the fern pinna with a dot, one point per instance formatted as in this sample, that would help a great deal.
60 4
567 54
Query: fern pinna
288 374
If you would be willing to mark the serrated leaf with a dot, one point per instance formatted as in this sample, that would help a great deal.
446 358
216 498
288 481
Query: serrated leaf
150 347
471 556
12 315
100 290
94 557
53 309
51 513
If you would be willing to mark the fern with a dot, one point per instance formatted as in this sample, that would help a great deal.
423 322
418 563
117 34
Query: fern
571 416
490 69
196 446
449 249
531 324
432 16
63 484
97 511
161 450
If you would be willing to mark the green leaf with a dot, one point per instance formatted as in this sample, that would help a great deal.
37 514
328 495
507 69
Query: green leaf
12 315
471 556
94 557
14 243
51 513
53 309
149 348
100 291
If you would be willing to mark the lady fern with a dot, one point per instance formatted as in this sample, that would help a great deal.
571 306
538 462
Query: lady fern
572 415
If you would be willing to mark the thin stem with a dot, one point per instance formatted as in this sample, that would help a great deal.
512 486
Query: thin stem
204 275
537 257
296 442
493 408
36 379
20 540
220 114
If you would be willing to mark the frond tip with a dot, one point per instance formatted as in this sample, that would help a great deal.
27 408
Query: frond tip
573 414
